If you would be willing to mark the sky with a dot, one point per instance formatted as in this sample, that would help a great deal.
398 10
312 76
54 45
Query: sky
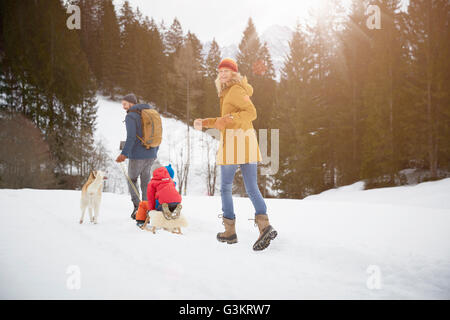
226 20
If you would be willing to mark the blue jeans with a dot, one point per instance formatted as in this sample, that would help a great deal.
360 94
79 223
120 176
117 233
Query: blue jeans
249 173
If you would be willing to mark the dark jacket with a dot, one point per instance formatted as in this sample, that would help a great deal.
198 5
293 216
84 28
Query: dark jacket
161 188
133 148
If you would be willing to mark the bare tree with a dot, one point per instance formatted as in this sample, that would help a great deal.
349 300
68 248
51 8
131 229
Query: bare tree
211 167
182 169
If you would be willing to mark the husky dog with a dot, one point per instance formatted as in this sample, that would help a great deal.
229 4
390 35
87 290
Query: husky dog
91 195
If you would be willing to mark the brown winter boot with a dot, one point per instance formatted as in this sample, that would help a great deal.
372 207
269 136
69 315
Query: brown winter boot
229 236
266 232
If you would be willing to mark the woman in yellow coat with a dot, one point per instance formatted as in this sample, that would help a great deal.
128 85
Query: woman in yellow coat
238 147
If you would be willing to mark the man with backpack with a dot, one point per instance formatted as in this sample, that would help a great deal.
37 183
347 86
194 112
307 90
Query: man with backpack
144 133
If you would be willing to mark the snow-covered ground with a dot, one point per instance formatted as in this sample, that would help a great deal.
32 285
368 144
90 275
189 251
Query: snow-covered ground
391 243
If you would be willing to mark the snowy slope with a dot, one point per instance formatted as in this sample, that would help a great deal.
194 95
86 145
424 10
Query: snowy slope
325 248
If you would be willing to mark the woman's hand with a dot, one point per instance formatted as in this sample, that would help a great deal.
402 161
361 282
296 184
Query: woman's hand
198 124
222 122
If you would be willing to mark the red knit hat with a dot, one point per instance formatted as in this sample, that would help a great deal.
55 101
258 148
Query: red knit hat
228 63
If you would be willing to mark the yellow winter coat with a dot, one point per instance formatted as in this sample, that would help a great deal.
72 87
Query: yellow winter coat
238 142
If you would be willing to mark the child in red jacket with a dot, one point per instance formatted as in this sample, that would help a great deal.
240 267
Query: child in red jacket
161 189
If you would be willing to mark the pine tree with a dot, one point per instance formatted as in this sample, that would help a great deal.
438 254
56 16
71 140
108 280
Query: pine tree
320 144
356 53
200 73
89 32
174 41
109 48
174 37
380 160
210 104
291 117
129 49
249 51
212 61
187 76
264 87
154 63
428 86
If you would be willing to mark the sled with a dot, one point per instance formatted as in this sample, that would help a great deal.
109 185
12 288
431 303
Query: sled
165 219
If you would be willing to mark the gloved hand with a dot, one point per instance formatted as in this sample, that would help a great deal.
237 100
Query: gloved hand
121 158
222 122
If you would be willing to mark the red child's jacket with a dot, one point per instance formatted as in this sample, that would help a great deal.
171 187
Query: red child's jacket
161 187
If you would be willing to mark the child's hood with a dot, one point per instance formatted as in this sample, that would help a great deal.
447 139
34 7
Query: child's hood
161 174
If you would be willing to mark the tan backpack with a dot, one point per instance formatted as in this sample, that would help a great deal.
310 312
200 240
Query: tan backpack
151 128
